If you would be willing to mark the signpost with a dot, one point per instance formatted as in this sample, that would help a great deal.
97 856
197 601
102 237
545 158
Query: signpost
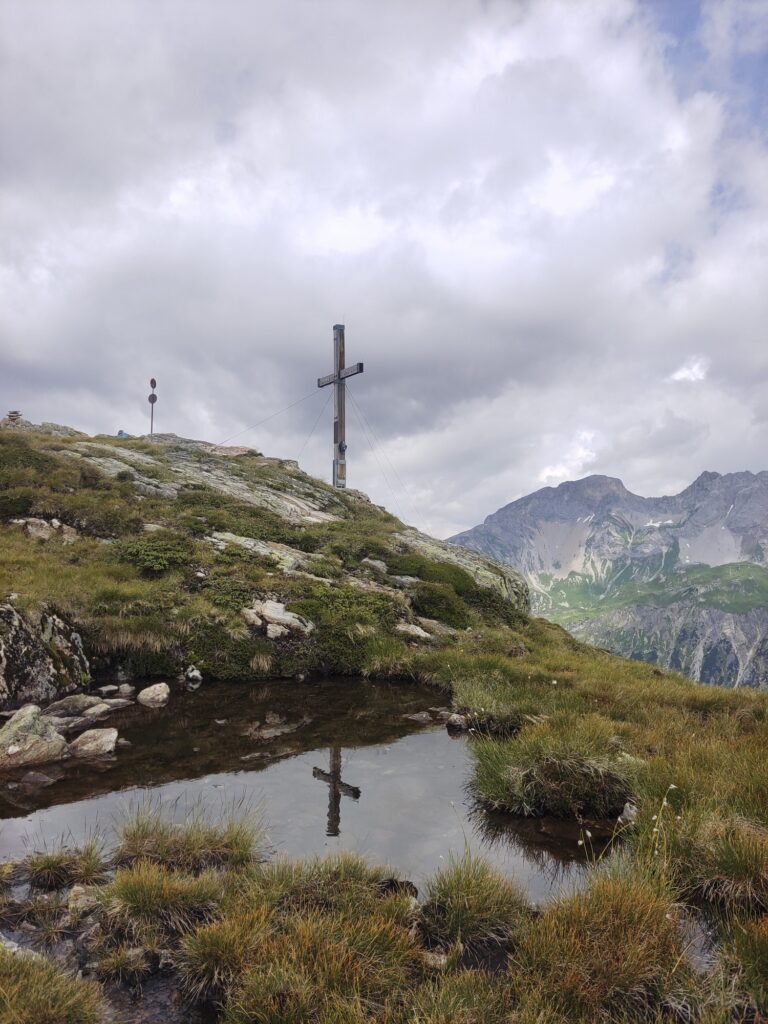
152 399
338 379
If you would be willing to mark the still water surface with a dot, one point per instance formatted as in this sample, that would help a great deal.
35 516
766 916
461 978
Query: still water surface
331 765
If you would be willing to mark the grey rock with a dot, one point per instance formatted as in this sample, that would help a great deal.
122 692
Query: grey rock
94 743
40 658
422 717
123 743
126 690
629 815
275 613
108 691
458 722
97 710
82 900
376 563
154 696
76 704
115 703
412 630
29 738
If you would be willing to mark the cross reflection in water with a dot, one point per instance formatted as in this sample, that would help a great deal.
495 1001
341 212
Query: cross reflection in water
335 790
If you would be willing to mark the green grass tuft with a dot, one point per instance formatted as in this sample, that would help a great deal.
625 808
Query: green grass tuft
469 902
34 991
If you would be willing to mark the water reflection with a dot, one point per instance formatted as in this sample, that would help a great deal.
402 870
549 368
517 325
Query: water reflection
336 788
395 792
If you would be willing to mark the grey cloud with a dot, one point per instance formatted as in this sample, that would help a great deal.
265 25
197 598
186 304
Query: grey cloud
516 208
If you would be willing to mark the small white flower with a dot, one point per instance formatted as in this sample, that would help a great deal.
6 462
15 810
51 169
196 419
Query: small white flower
581 842
588 834
654 817
678 817
655 830
672 785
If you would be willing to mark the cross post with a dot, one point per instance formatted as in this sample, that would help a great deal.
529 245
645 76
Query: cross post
338 379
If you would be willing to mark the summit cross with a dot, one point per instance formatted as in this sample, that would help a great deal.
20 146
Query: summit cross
338 378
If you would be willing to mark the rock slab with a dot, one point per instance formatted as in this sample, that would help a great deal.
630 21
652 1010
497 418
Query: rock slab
94 743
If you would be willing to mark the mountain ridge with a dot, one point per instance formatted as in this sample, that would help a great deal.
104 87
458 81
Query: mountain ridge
599 559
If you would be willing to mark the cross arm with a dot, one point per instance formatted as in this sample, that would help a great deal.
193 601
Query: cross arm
323 382
350 371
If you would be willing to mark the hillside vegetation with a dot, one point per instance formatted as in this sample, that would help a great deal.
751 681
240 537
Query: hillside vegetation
558 728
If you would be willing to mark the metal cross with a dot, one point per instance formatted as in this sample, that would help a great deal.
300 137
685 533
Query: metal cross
337 378
335 790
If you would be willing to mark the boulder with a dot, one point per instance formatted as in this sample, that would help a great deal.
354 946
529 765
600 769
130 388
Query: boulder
29 738
274 632
41 658
154 696
94 743
274 612
126 690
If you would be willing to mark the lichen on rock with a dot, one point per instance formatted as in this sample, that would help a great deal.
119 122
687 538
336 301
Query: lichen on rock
39 660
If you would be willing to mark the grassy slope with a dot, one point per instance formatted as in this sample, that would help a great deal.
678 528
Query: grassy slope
736 588
584 730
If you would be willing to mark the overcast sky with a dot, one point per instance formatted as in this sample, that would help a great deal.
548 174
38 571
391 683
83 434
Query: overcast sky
544 224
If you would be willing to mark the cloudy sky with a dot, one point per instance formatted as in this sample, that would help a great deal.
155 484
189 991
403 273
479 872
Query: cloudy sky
543 222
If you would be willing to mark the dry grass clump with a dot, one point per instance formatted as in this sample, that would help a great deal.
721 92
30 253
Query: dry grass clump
124 963
212 957
749 945
55 869
728 865
317 960
234 841
469 902
567 767
35 991
614 950
467 997
148 897
341 883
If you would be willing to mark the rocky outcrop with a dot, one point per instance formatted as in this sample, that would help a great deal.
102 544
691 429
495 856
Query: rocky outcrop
30 738
39 660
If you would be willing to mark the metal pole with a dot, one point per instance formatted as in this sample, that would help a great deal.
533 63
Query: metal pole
339 411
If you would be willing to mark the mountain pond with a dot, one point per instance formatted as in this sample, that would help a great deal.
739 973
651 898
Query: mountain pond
328 765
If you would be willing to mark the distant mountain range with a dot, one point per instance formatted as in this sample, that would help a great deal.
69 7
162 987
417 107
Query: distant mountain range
681 581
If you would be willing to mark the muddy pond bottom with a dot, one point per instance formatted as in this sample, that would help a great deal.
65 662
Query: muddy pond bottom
329 765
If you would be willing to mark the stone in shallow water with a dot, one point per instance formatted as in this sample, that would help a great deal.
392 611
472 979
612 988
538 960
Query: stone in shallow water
29 738
97 710
76 704
154 696
94 743
422 717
